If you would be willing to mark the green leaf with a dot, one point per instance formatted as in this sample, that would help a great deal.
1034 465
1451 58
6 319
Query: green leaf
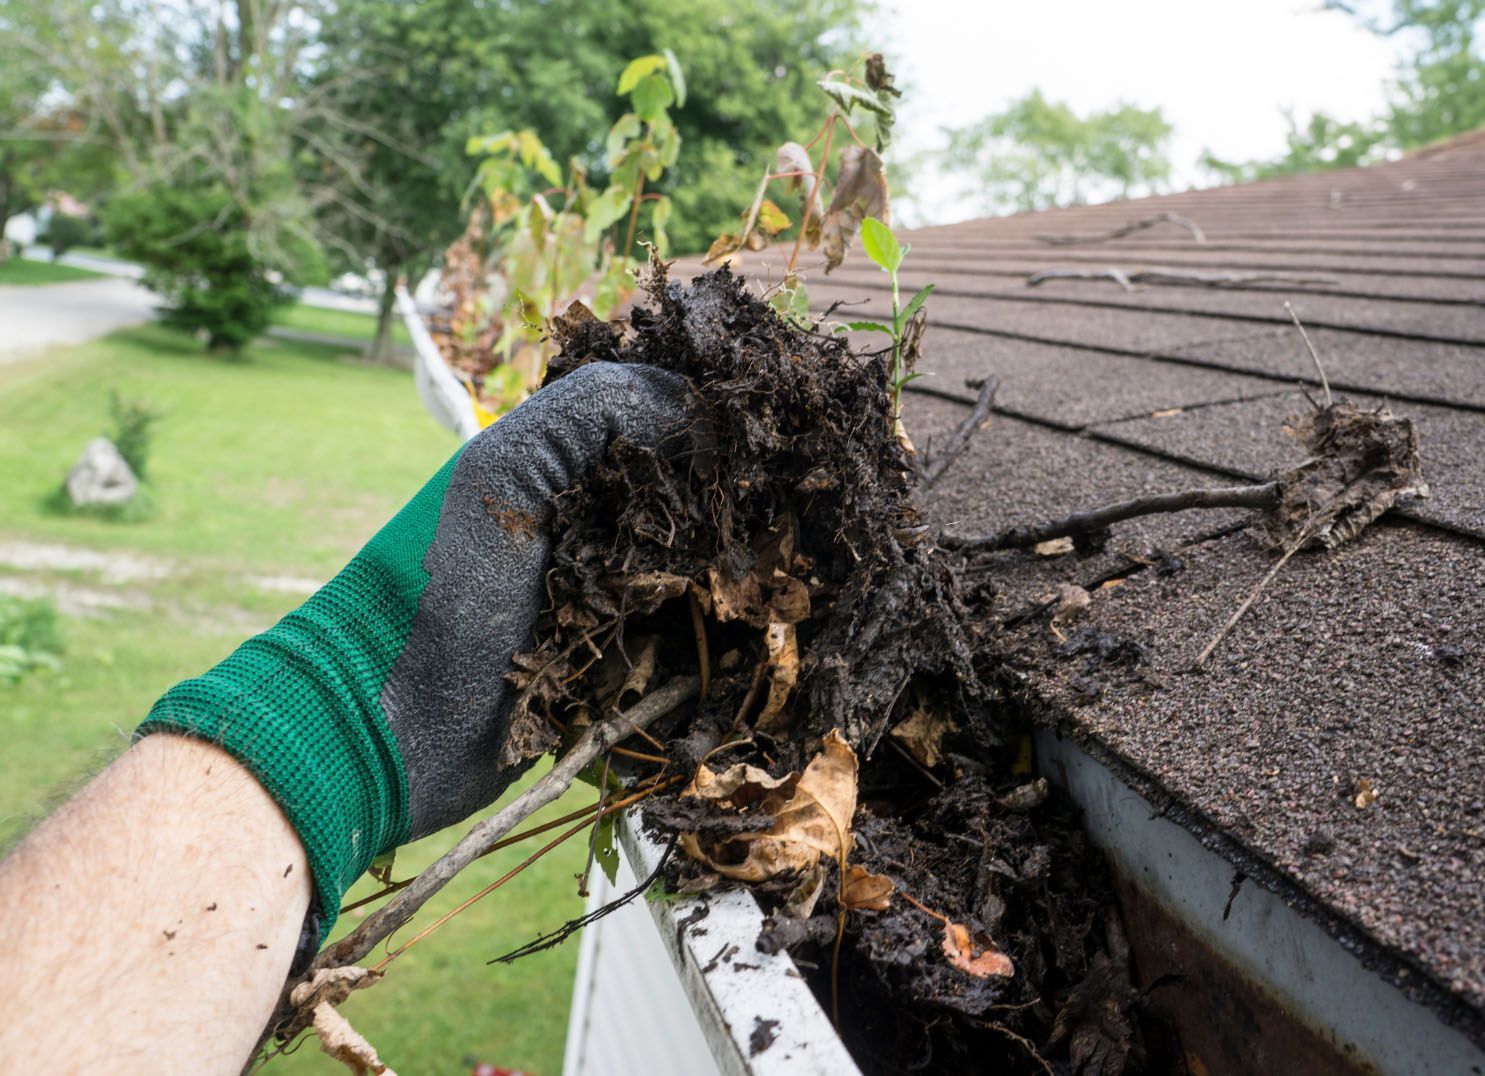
658 222
864 327
677 80
912 307
880 244
772 219
627 127
638 69
604 210
846 95
651 98
489 143
606 848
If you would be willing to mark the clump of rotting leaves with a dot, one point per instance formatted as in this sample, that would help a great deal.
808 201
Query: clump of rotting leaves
849 757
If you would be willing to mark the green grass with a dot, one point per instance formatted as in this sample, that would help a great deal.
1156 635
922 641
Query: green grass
345 323
27 271
282 462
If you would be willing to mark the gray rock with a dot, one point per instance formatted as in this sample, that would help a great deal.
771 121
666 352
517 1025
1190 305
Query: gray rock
101 476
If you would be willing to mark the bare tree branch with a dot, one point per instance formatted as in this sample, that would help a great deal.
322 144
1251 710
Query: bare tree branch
1127 229
1260 496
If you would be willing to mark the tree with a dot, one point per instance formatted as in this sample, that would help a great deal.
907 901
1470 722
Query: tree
421 78
1439 92
1038 153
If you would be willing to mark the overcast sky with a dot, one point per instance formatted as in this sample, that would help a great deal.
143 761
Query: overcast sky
1221 70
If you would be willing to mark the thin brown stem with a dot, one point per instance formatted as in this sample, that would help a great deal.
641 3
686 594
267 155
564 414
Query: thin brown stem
959 440
809 205
703 651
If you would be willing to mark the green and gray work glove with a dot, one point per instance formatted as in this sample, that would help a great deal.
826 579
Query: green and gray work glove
375 713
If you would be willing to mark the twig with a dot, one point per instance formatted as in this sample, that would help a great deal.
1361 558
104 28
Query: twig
1201 658
703 651
1127 229
594 742
1260 496
1128 278
934 469
1324 381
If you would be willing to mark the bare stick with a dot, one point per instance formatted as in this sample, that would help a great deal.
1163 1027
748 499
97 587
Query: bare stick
593 743
1261 496
1324 381
959 440
1128 278
1133 226
1201 658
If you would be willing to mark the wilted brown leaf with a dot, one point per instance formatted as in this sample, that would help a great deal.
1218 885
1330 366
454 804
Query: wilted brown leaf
783 673
812 815
862 889
860 192
734 599
345 1044
1054 547
922 733
976 956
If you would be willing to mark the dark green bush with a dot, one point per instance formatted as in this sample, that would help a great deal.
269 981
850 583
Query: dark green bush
196 247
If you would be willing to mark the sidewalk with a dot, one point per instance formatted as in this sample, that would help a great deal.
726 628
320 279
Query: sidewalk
34 318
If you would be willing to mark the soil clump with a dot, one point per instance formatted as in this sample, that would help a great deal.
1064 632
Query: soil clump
855 757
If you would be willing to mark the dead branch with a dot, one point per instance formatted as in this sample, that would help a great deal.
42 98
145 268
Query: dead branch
934 468
1128 278
1261 496
1324 381
598 739
1201 659
1127 229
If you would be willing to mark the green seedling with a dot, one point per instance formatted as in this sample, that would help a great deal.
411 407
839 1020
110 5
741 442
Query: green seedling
883 247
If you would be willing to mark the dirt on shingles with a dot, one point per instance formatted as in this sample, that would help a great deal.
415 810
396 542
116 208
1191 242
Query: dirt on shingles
780 537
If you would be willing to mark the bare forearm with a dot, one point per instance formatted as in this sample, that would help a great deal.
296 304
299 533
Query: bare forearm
148 925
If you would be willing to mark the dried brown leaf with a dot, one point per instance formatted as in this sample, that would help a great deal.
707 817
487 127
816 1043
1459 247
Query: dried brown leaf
725 244
860 192
922 734
974 955
782 646
734 599
812 817
1361 464
1054 547
345 1044
862 889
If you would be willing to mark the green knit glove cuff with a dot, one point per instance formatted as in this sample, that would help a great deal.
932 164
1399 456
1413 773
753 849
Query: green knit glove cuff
300 704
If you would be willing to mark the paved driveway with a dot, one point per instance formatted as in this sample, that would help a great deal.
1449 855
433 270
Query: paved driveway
38 316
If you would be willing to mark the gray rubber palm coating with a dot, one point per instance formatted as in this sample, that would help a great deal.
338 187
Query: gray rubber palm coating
447 700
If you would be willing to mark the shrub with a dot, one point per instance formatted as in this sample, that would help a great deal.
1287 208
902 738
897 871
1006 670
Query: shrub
30 638
64 231
132 422
195 244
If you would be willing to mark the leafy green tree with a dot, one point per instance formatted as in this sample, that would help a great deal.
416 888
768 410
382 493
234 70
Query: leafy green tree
1038 153
1439 91
422 77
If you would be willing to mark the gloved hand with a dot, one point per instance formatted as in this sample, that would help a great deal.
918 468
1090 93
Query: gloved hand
375 713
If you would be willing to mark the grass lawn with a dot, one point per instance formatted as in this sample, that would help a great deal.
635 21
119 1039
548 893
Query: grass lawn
27 271
281 463
348 323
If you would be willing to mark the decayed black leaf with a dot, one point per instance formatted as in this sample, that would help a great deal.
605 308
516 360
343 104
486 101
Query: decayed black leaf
1361 464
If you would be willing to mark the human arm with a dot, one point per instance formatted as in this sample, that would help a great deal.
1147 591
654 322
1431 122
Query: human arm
149 923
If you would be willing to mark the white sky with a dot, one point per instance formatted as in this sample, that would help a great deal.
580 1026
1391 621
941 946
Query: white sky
1222 71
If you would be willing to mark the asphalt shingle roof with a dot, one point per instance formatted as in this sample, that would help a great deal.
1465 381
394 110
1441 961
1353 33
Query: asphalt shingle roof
1365 663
